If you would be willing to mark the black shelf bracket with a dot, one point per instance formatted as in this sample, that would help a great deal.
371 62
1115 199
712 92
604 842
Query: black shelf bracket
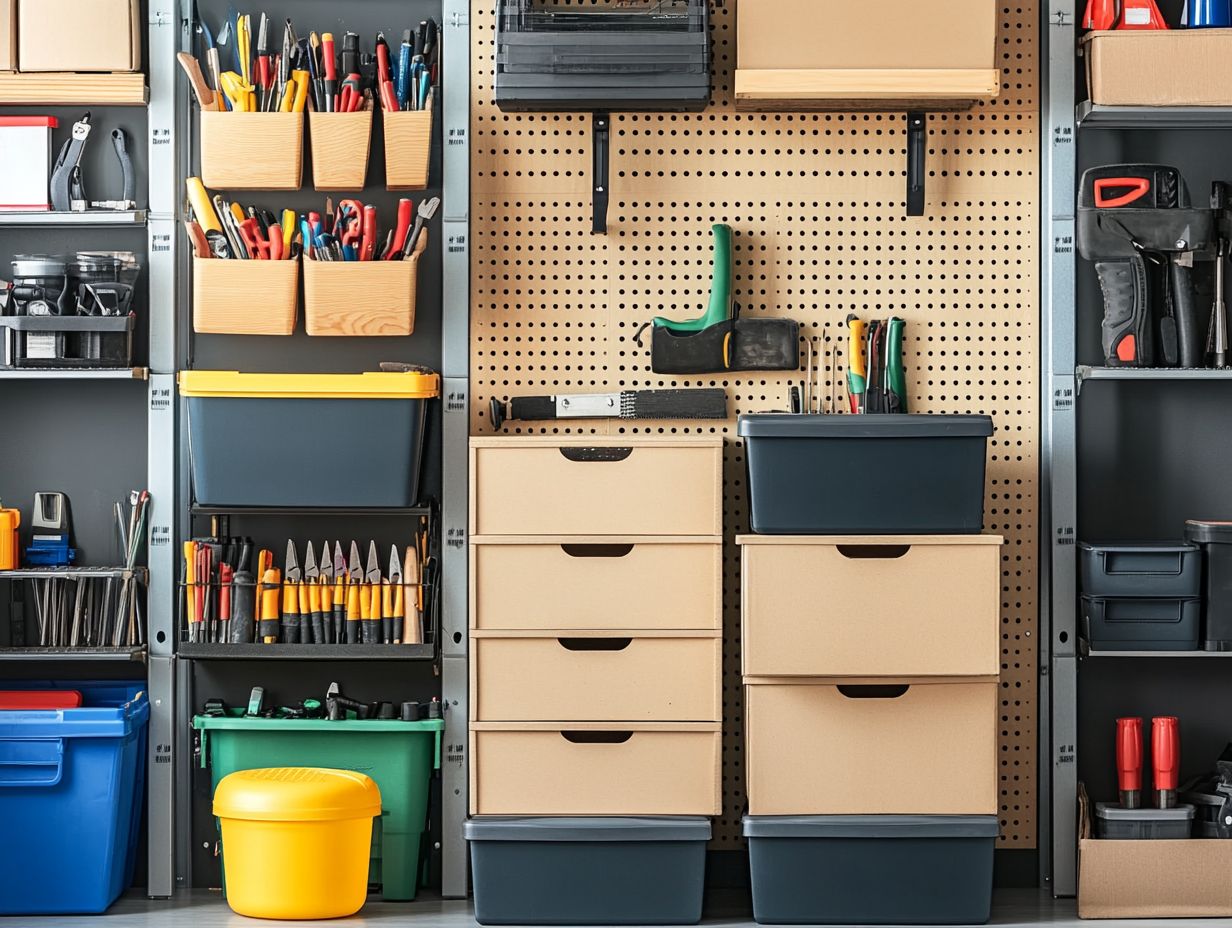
601 128
917 160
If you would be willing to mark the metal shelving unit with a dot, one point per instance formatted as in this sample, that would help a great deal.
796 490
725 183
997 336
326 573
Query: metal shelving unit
73 655
93 219
121 373
1157 655
1153 117
307 652
1086 372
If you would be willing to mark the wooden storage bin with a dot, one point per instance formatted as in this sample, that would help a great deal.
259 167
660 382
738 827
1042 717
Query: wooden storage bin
632 768
593 582
871 606
871 747
597 486
605 677
352 298
236 297
408 147
340 145
252 151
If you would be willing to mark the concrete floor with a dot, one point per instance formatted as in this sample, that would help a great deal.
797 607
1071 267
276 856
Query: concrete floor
1026 908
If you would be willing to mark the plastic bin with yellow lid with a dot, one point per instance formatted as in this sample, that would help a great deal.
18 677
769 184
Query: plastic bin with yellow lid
307 440
281 826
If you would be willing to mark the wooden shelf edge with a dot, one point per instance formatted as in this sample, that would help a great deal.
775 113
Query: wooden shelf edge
851 89
70 89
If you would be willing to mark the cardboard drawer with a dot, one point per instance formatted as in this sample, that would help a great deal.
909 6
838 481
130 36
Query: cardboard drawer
596 486
861 606
597 769
838 748
596 679
596 583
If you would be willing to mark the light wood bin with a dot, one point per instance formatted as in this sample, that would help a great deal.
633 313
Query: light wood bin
608 677
871 747
408 147
352 298
596 486
340 145
252 151
236 297
871 605
596 582
595 769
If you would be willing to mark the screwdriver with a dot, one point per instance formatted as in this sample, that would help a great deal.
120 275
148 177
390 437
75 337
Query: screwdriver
1165 759
1129 761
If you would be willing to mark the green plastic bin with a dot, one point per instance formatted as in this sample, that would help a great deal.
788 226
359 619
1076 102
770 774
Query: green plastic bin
399 756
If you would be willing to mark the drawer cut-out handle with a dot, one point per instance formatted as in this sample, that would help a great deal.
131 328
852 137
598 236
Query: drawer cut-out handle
873 552
595 455
596 737
594 644
873 690
610 551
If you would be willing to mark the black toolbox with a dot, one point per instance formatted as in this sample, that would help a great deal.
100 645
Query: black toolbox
1137 569
603 55
59 342
1141 624
1112 822
1215 541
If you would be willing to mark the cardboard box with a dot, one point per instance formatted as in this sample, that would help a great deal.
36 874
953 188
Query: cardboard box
25 152
1151 879
871 747
831 34
809 606
8 35
1178 67
79 35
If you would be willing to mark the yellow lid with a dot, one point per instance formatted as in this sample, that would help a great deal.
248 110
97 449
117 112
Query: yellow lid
371 385
296 794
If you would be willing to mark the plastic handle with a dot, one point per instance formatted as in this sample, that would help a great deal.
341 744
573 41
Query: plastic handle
595 455
1129 753
609 551
874 691
1112 558
873 552
31 763
1166 751
594 644
1136 188
596 737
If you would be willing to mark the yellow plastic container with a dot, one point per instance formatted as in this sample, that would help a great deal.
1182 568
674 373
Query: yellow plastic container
296 841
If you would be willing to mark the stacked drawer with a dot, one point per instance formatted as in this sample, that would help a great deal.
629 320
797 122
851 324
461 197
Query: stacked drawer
870 665
596 658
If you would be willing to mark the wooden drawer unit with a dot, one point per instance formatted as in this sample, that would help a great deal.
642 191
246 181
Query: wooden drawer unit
590 582
673 678
596 486
595 769
914 747
886 606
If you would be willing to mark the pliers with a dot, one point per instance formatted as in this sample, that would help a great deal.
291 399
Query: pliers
326 594
290 597
372 623
356 598
311 591
340 595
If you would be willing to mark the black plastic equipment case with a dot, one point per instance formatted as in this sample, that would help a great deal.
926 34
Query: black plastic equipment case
1114 823
871 869
588 871
1150 569
62 342
632 55
865 474
1215 540
1141 624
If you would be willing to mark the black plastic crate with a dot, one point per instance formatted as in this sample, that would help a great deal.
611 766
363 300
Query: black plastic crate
1141 569
1215 541
58 342
1127 624
1115 823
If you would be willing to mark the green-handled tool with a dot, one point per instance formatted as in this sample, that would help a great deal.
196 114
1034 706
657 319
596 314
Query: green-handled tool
896 374
720 308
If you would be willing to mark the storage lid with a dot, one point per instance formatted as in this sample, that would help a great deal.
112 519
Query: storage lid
871 826
40 699
786 425
296 794
511 828
371 385
1205 533
1142 547
1114 813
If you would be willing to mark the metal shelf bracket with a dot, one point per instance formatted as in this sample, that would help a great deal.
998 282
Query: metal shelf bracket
602 138
917 161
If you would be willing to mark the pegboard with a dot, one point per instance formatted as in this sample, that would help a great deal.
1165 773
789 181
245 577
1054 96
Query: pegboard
817 204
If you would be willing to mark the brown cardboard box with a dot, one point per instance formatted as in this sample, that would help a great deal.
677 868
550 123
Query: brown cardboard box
596 677
8 35
79 35
1178 67
809 608
871 747
1151 879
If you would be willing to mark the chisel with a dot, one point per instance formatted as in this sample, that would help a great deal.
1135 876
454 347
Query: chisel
702 403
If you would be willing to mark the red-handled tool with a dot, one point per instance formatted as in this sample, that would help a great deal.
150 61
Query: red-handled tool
1129 762
331 72
1166 759
1135 189
367 250
406 212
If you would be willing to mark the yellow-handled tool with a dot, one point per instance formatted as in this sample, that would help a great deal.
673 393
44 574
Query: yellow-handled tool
239 91
857 369
202 208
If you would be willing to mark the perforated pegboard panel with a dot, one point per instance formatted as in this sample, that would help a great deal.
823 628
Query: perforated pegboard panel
817 203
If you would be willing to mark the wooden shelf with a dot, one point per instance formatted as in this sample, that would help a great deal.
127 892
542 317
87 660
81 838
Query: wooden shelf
865 89
66 89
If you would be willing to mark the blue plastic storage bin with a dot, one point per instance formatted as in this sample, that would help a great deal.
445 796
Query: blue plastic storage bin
72 785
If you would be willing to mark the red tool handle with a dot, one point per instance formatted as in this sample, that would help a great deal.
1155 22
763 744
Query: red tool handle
368 250
1137 188
331 62
225 577
1166 752
1129 754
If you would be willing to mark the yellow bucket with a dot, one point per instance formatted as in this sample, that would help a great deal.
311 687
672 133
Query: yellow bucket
296 841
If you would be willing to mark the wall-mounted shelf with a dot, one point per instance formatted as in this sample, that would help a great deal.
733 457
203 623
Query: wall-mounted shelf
1085 372
73 573
1154 117
93 655
1157 654
864 89
313 511
90 219
306 652
121 373
67 89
